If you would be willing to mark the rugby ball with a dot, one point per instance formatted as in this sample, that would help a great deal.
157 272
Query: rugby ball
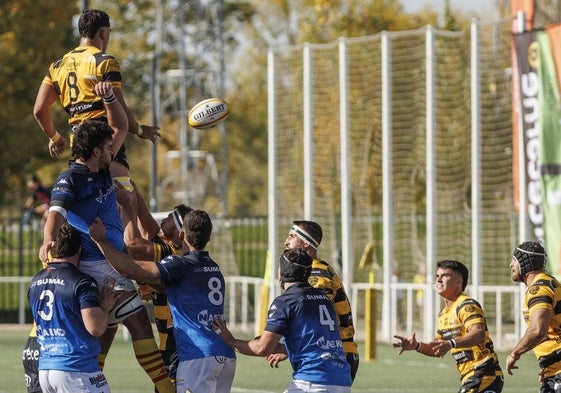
208 113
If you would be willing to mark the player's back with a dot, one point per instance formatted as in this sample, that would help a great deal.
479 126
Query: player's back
74 77
56 295
312 337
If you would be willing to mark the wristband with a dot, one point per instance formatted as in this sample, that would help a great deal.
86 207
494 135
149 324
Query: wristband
55 137
452 343
110 98
418 347
140 130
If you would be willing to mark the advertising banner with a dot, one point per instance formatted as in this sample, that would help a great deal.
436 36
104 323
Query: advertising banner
526 49
550 145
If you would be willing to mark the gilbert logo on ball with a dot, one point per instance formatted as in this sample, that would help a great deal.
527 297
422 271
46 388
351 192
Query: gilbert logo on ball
208 113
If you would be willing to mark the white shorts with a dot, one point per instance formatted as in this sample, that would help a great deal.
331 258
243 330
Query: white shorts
56 381
100 270
298 386
210 375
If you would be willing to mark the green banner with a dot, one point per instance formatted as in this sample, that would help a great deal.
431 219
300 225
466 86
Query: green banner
550 152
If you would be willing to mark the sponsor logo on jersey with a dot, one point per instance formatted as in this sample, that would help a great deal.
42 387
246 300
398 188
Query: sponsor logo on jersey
30 354
316 297
206 269
50 281
50 332
328 344
204 317
103 195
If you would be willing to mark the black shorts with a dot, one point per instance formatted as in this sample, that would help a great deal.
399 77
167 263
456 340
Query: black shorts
30 361
483 384
352 359
551 384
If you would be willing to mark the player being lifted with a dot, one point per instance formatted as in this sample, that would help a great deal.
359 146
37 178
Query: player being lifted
71 80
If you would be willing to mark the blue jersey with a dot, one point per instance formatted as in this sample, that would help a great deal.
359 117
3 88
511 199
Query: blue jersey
57 294
82 195
195 289
306 319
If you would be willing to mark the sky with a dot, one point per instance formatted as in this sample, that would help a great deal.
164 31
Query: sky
484 9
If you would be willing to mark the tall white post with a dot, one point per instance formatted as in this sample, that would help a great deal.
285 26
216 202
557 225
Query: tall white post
346 213
272 171
387 201
475 162
308 135
430 301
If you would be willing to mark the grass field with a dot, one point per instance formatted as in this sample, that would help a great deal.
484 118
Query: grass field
408 373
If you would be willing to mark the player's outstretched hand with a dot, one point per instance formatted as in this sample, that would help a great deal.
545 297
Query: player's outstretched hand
406 344
149 132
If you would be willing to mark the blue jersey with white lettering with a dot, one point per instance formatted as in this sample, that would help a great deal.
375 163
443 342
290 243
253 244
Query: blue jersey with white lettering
57 294
195 289
82 195
306 319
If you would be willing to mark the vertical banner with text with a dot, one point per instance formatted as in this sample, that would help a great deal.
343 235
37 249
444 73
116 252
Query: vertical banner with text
526 49
550 144
526 7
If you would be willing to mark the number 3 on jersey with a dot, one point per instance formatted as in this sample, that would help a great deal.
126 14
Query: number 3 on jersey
325 318
47 313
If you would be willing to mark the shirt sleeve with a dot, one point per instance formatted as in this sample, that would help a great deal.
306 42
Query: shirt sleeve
539 297
172 268
87 293
470 313
278 318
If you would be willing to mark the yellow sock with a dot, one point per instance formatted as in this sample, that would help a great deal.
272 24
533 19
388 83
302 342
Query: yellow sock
150 359
101 360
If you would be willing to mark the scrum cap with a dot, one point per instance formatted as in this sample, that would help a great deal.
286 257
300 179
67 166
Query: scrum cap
295 265
531 256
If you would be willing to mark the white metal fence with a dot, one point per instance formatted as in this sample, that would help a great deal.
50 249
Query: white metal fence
501 303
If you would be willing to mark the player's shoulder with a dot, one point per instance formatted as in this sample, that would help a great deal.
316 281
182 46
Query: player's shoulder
74 175
324 271
321 267
101 57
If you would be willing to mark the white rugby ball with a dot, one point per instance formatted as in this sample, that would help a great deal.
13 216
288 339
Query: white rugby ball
208 113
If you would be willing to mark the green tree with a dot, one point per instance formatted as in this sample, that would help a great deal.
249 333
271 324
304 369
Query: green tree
32 34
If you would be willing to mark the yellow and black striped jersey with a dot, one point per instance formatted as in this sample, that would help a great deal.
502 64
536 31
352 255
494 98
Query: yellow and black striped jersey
324 278
162 249
454 321
162 313
74 77
545 292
